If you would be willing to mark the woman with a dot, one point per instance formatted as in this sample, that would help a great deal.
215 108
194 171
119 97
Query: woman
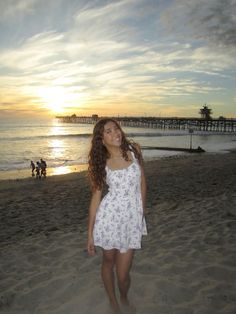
116 222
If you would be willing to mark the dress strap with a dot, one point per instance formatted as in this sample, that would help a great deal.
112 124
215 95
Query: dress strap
133 156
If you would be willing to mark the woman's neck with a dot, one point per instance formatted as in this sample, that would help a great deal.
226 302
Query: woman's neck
115 153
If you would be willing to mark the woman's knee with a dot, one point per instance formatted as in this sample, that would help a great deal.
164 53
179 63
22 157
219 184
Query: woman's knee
123 278
108 259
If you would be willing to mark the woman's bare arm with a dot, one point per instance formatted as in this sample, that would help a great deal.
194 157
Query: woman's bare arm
94 203
143 180
143 189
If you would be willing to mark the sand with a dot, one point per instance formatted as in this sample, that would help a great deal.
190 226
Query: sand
186 265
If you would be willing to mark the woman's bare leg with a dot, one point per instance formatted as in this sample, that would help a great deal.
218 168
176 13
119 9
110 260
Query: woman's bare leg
108 277
123 266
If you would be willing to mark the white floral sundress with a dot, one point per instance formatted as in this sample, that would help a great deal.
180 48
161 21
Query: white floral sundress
119 219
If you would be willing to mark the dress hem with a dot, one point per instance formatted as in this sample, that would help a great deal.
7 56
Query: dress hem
117 248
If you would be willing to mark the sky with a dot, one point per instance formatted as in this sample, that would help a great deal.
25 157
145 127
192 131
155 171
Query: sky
124 57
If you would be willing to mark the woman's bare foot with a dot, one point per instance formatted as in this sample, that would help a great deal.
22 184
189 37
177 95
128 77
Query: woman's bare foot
115 309
127 307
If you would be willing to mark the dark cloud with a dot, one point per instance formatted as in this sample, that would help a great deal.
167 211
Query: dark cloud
213 21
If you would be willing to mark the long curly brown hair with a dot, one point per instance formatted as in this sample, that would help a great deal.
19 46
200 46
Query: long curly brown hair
98 153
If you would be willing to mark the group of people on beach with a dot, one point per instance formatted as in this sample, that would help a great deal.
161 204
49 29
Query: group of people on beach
38 170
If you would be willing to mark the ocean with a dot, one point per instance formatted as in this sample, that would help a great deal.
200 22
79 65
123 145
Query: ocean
65 146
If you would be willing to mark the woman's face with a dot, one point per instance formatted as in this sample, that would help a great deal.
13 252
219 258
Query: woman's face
112 135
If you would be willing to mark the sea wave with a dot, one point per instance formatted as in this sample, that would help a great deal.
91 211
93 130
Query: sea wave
89 135
86 136
43 137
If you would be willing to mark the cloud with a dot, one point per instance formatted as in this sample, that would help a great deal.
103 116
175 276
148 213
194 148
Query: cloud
48 60
111 53
36 51
126 20
12 8
110 12
213 21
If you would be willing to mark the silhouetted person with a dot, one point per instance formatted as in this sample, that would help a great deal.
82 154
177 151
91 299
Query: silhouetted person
32 165
38 170
43 165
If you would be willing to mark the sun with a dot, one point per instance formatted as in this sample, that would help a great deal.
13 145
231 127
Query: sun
54 98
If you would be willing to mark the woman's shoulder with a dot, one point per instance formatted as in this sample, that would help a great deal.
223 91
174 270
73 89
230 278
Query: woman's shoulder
136 152
134 146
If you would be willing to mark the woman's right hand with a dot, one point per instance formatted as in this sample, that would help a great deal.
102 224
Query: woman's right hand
90 247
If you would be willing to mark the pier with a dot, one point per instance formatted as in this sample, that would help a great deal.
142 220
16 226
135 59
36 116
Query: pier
195 124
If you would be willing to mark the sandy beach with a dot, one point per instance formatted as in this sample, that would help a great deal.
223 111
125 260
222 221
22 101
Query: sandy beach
186 265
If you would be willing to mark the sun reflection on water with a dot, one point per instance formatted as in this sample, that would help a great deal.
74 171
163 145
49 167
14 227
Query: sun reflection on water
61 170
67 169
58 149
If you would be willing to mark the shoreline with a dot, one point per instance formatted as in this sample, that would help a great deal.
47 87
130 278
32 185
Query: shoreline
16 175
26 173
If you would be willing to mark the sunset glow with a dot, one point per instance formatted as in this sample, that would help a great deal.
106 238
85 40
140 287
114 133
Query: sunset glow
117 57
54 99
